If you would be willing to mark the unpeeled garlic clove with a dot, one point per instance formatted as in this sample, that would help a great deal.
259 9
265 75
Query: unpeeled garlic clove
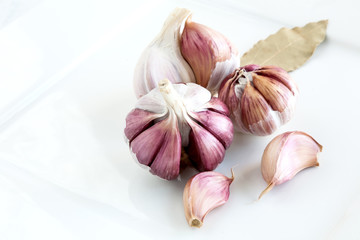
210 54
160 148
176 118
204 192
162 57
286 155
260 99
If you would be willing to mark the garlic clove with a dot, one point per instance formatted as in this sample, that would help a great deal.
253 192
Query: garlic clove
256 113
167 162
159 147
278 96
145 146
210 54
162 57
204 192
229 93
216 124
275 93
260 99
286 155
137 121
205 151
277 74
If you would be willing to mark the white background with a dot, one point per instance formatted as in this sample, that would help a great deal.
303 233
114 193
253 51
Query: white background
66 72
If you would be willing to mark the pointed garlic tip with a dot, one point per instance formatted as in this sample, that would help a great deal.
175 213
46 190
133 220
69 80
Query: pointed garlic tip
286 155
204 192
260 99
162 57
209 53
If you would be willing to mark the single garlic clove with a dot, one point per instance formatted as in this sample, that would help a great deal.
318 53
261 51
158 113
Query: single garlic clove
159 147
286 155
162 57
275 93
216 124
137 121
276 73
210 54
204 192
167 162
256 113
260 99
176 118
204 149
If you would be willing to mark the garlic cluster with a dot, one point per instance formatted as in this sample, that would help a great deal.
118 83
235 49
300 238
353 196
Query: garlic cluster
162 57
183 52
204 192
286 155
210 54
260 99
173 117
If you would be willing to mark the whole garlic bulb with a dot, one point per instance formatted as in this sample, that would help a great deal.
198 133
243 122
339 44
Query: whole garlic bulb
210 54
173 117
260 99
162 57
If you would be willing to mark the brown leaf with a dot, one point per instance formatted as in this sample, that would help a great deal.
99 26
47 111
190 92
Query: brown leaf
288 48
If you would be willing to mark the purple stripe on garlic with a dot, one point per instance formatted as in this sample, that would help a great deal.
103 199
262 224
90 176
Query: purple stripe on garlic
260 99
176 117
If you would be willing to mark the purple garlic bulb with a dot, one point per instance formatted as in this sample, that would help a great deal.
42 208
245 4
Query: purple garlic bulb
260 99
178 117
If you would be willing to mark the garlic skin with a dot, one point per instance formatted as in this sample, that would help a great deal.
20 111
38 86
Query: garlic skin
204 192
286 155
260 99
178 117
210 54
162 57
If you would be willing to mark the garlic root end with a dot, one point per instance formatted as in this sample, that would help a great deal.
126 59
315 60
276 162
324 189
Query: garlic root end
196 223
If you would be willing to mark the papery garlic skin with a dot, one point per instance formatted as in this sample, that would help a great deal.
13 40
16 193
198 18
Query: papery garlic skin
210 54
204 192
178 117
162 57
260 99
286 155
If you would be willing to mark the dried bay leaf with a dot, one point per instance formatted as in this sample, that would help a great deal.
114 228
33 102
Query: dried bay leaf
288 48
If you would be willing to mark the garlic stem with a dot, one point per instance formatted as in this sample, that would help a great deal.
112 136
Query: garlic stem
172 98
176 105
266 190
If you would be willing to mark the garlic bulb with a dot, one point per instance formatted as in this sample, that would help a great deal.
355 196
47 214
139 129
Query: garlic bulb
204 192
211 55
260 99
286 155
176 116
162 57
